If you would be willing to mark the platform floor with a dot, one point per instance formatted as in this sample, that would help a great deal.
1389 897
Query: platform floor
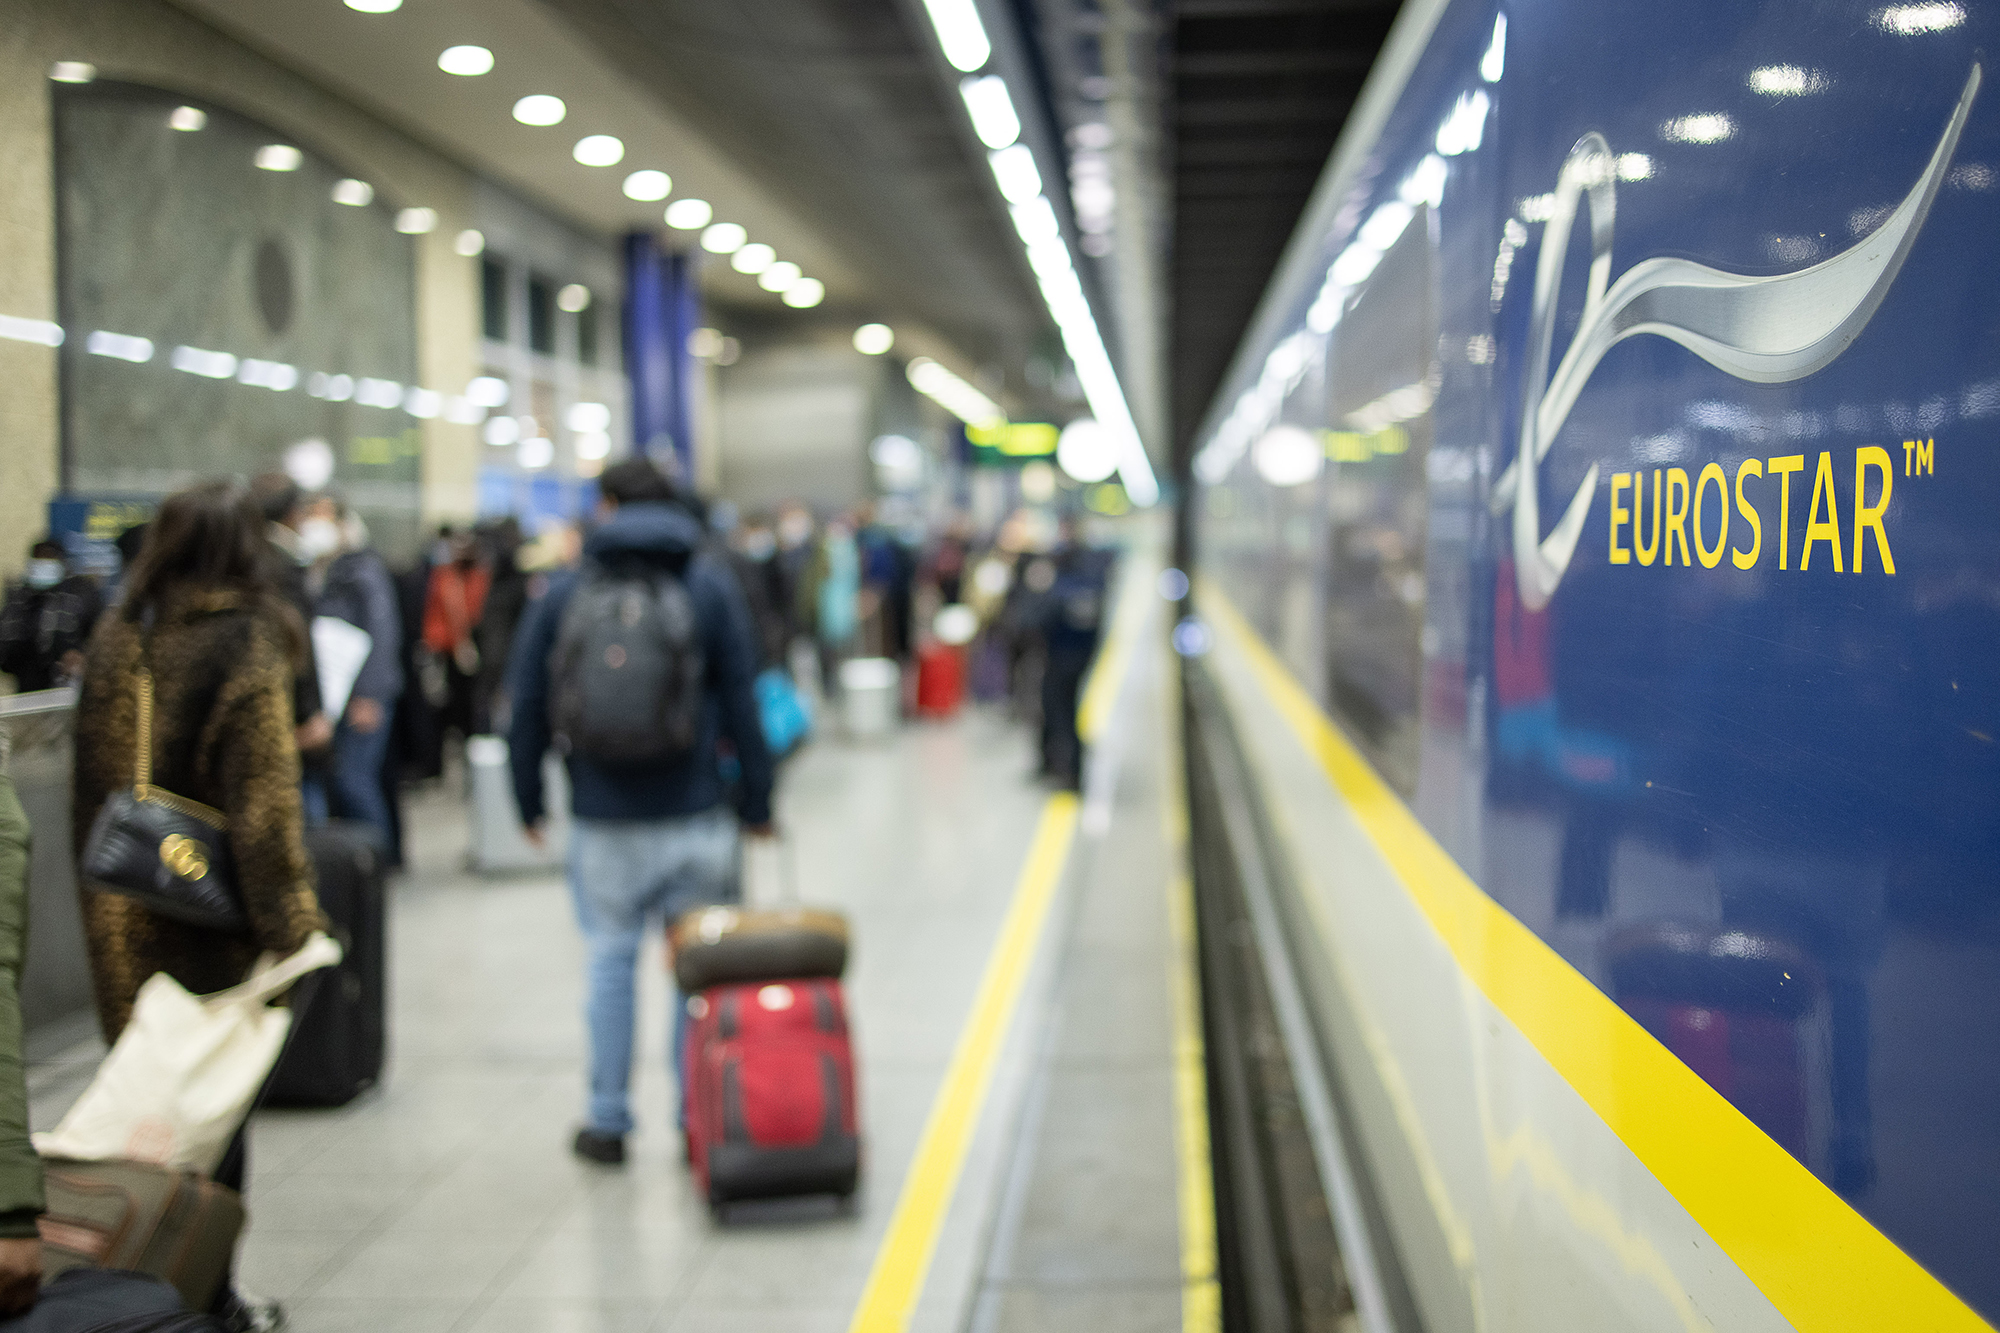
447 1199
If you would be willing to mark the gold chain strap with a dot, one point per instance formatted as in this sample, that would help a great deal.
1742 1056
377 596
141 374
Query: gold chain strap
142 783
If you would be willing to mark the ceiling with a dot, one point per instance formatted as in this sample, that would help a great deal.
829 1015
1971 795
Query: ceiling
829 128
1257 93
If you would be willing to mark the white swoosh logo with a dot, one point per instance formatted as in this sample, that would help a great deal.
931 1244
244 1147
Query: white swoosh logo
1765 329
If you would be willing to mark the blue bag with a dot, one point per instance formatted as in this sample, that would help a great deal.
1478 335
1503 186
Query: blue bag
786 715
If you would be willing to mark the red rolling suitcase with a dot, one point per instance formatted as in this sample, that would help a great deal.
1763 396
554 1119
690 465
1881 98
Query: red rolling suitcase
771 1097
940 679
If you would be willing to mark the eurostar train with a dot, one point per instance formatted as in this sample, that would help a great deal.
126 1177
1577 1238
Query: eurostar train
1598 540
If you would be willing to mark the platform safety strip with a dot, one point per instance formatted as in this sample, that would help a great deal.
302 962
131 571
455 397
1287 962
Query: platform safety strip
1201 1288
897 1278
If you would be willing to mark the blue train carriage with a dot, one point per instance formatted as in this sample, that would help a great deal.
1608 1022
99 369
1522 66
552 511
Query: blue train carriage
1601 528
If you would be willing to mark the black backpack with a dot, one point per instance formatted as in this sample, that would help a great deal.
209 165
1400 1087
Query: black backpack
626 673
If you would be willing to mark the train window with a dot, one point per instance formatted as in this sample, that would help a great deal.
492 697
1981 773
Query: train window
1382 375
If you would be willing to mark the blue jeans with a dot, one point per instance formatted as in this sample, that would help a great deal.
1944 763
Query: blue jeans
623 874
350 786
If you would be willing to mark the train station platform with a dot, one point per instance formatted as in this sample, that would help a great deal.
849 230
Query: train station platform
1012 991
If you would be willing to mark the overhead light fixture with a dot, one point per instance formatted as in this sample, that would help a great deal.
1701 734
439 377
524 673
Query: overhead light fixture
121 346
470 242
1786 81
1494 62
466 61
1086 451
599 150
992 110
187 119
961 36
375 6
41 331
540 109
200 361
573 298
537 452
487 391
593 446
648 186
1910 20
353 193
279 157
502 431
874 339
689 214
416 221
804 294
937 383
72 71
779 276
753 258
1015 172
588 418
724 238
705 343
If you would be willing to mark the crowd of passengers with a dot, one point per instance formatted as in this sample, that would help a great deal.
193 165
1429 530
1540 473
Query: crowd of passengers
218 597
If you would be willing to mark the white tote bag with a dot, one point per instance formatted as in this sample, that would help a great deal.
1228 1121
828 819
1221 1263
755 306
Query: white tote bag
184 1072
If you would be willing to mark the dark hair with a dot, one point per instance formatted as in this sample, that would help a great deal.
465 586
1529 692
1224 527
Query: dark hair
632 481
210 535
47 548
130 542
277 495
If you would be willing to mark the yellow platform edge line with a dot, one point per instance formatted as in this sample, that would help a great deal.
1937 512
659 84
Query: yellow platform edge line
1201 1287
897 1278
1823 1265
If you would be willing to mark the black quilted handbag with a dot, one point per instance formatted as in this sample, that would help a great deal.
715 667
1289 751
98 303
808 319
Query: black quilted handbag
170 853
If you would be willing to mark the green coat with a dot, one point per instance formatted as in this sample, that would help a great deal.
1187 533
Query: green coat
20 1168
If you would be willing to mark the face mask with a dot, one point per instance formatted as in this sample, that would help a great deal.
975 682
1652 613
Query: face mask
760 545
795 529
318 537
44 574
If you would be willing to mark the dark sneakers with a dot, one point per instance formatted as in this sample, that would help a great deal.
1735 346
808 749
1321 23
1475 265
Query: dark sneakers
604 1149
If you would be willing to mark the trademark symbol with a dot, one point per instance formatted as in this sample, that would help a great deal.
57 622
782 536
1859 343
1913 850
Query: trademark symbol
1919 458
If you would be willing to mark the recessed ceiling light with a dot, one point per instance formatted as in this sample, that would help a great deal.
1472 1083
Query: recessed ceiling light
573 298
537 451
72 71
648 186
753 258
187 119
470 242
874 339
779 276
804 293
353 193
540 109
279 157
375 6
688 214
416 221
467 61
723 238
599 150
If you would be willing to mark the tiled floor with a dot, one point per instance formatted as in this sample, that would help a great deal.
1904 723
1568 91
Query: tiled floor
447 1198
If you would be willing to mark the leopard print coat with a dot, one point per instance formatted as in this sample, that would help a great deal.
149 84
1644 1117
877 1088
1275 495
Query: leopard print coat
222 735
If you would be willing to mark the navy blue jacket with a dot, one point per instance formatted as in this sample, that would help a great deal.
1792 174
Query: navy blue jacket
667 537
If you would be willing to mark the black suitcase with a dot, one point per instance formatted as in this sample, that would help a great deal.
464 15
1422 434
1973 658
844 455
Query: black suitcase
337 1043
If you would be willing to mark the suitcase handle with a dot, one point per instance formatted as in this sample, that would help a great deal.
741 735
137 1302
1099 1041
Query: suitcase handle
786 855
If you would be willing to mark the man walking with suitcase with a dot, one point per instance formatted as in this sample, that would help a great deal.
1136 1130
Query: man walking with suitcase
637 669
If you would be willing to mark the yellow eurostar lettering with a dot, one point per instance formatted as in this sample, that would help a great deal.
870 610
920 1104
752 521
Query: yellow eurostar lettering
1867 515
1620 481
1647 554
1745 559
1926 456
1677 513
1827 530
1784 467
1711 558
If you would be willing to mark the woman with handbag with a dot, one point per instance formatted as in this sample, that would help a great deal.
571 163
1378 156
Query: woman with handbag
186 715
